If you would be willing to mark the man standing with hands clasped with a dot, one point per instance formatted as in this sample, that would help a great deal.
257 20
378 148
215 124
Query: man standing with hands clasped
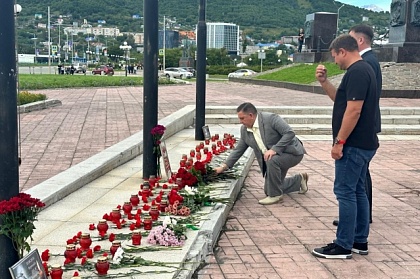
354 144
276 148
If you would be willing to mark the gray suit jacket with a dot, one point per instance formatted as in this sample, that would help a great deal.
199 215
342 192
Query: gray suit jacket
276 134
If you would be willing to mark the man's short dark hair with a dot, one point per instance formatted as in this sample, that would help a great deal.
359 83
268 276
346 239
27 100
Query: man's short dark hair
365 30
346 42
247 108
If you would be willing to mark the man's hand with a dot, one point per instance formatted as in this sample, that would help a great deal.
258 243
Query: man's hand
321 73
337 151
219 170
268 154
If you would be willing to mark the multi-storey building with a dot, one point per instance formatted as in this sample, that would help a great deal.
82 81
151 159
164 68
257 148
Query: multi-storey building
223 35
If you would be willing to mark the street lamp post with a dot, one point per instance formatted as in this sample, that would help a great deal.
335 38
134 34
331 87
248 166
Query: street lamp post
88 53
261 55
35 52
126 48
338 18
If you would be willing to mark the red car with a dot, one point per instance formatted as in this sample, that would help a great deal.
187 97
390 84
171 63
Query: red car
103 70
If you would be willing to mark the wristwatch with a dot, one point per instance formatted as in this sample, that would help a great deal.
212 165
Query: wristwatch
339 141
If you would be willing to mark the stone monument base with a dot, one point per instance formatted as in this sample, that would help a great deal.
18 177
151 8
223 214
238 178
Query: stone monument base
312 57
399 53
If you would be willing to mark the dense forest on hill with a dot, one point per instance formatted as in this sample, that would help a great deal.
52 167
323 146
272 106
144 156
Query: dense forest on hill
263 20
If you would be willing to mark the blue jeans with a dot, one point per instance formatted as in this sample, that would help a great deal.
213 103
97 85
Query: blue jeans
349 188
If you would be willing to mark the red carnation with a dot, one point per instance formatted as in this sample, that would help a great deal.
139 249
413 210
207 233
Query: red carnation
45 256
89 254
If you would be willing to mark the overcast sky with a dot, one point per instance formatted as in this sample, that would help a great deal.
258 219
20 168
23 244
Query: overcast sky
384 4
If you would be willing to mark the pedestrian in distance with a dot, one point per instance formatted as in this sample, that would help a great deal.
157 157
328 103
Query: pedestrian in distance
276 148
355 142
301 39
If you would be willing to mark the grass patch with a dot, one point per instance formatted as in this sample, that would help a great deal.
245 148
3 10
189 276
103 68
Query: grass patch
24 97
301 74
34 82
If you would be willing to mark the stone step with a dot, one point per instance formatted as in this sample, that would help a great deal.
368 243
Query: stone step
326 110
317 120
325 129
314 119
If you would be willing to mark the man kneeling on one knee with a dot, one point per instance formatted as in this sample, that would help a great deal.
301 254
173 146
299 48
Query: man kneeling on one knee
276 148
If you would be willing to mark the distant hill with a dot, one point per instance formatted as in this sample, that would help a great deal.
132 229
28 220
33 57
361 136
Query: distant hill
263 19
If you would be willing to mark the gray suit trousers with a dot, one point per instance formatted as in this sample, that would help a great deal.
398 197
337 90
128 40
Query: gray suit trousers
276 182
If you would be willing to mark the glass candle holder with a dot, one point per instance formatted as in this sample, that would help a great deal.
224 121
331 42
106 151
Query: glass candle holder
70 252
56 271
114 247
115 215
163 204
154 212
147 223
102 226
127 207
198 156
135 200
146 190
136 238
85 241
102 266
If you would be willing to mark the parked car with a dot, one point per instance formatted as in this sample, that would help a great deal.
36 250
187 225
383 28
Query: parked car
190 69
241 73
103 70
174 72
79 68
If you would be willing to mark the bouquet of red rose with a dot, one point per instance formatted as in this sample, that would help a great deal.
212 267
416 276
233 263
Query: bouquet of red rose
188 178
157 134
18 215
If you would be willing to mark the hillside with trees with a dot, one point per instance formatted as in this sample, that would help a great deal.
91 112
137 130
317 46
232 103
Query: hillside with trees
263 20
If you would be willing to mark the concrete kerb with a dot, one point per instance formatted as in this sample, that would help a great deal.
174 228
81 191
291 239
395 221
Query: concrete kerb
40 105
68 181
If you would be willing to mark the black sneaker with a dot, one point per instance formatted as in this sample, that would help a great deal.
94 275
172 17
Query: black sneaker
360 248
332 251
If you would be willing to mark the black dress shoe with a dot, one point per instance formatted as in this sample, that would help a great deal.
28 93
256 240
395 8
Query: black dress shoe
335 222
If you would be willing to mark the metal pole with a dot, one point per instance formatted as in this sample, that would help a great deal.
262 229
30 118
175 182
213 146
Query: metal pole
200 91
126 62
59 44
150 84
49 41
164 42
9 172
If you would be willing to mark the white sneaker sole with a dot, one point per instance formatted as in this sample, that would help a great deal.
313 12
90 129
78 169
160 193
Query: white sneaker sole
319 255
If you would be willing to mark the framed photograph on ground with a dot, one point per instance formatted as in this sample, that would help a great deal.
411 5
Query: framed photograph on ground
165 158
29 267
206 132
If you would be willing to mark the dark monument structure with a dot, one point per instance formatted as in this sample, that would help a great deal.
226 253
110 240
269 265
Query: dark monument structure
404 33
320 31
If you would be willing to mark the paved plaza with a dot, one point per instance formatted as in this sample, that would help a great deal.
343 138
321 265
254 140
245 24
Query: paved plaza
257 241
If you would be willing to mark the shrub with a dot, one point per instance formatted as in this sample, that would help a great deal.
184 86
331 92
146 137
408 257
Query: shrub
25 97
